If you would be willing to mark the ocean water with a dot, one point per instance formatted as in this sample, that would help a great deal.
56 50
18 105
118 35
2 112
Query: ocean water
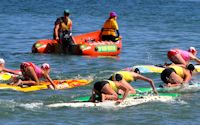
149 28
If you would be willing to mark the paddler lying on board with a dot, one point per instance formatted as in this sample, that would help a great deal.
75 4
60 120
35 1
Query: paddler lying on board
182 57
175 75
4 69
32 73
133 75
108 90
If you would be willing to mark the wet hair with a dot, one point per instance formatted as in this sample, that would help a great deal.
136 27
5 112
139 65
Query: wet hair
117 77
190 67
66 14
136 70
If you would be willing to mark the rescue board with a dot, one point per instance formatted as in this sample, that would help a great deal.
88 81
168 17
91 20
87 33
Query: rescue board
61 84
154 68
131 100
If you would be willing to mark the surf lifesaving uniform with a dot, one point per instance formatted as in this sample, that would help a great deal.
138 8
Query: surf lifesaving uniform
37 70
99 85
125 74
185 54
65 25
64 31
167 72
109 30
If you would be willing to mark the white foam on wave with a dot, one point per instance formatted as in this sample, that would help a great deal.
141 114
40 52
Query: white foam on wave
31 106
13 104
194 86
7 103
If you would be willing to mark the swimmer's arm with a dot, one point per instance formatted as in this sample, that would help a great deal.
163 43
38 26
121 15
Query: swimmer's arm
29 82
192 57
148 80
56 31
92 98
188 77
11 71
50 80
197 60
126 92
32 71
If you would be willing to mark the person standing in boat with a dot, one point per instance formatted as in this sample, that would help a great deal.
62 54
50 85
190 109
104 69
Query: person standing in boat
63 30
175 75
133 75
182 57
110 30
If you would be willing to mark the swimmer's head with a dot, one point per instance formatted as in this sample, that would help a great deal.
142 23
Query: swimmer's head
117 77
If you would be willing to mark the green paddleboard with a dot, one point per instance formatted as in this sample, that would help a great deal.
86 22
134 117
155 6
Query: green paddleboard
86 98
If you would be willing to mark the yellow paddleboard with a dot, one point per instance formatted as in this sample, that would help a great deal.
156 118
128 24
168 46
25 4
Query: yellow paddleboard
156 69
62 84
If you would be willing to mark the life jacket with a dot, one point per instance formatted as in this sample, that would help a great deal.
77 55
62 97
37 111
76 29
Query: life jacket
109 27
178 70
65 25
126 75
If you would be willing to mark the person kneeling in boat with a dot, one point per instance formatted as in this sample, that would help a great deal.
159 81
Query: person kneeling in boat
108 90
4 69
175 75
110 28
133 75
63 30
32 73
182 57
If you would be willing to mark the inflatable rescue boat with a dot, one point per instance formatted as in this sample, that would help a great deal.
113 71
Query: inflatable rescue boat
84 44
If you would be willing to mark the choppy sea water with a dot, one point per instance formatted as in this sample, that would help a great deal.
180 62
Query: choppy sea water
149 29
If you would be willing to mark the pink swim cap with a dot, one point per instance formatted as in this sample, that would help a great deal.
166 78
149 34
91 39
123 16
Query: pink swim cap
113 14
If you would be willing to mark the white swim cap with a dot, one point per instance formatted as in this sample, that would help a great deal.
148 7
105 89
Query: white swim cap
192 50
45 66
2 61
